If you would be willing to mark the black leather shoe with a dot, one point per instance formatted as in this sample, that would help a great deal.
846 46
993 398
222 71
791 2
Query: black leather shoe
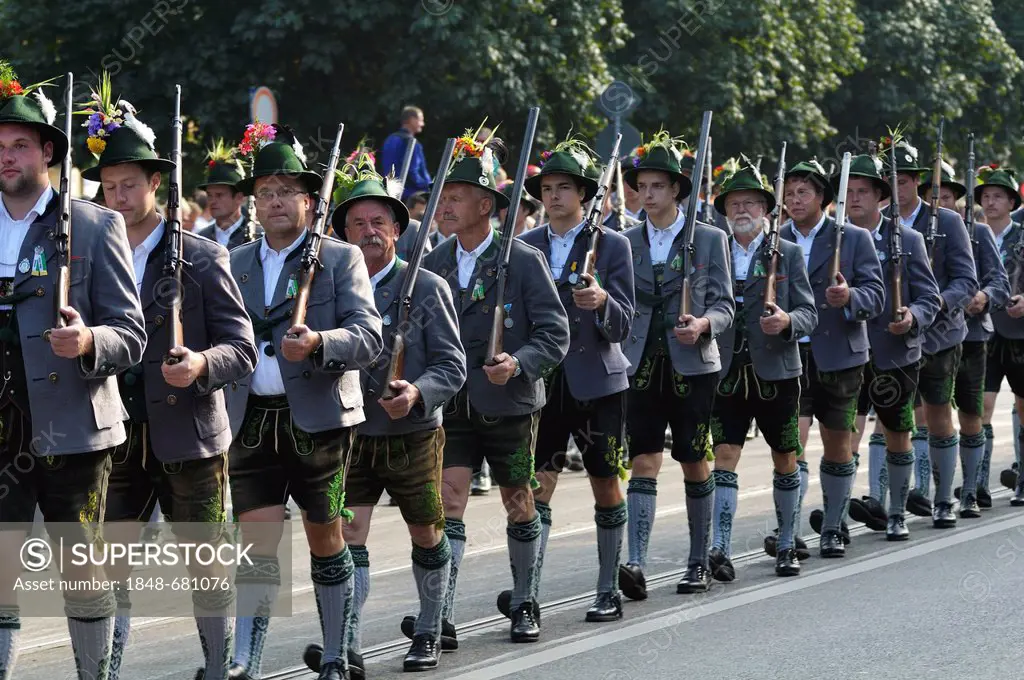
919 504
787 564
525 627
312 657
332 671
237 672
984 499
817 520
449 640
771 545
697 579
1018 496
1008 478
969 508
721 566
869 512
504 603
943 516
897 529
632 581
422 655
607 607
832 544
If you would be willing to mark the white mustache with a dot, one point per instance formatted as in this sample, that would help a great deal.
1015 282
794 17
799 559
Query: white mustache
371 241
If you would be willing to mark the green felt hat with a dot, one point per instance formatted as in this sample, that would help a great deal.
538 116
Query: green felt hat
222 166
570 157
662 153
21 105
369 189
906 155
528 201
870 167
812 168
745 179
948 179
474 162
998 177
282 157
127 145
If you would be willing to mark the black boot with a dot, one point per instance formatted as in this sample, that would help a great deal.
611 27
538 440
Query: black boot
525 627
697 579
632 581
787 564
423 654
969 508
449 640
943 516
721 566
984 499
832 544
607 607
312 657
332 671
896 529
1018 495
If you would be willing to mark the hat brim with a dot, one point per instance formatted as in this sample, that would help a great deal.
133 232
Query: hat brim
215 184
501 201
880 183
533 184
309 179
828 191
1015 194
150 164
720 199
685 185
338 216
959 190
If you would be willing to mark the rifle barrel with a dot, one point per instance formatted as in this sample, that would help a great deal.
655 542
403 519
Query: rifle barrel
690 224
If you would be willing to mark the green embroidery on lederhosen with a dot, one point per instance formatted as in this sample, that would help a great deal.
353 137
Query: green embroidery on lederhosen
520 466
628 462
613 457
767 390
90 512
428 502
850 416
702 441
906 417
642 377
680 384
717 431
256 425
212 511
336 497
790 435
304 444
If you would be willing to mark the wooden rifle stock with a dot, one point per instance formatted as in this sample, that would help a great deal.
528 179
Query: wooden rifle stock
174 262
592 227
396 367
844 182
772 238
690 225
496 341
62 233
310 263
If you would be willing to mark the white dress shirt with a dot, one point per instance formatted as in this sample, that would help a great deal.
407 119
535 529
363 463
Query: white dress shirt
224 235
266 379
379 276
1000 237
13 233
560 247
909 222
467 260
741 258
806 243
141 252
661 239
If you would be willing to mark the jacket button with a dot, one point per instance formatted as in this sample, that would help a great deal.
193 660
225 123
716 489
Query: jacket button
234 385
373 364
370 392
53 377
581 350
159 320
306 374
171 400
576 320
40 291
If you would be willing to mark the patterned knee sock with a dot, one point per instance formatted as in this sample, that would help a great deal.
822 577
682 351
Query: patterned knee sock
943 452
91 624
257 585
332 585
700 502
10 628
726 502
986 461
122 630
611 526
901 468
360 591
212 608
1016 436
805 483
972 452
430 568
455 530
922 462
786 493
836 486
544 510
641 500
878 477
523 540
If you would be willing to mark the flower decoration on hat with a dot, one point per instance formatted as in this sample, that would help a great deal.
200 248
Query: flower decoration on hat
363 147
257 135
575 147
469 146
223 154
895 138
985 171
11 87
358 169
106 113
675 146
723 172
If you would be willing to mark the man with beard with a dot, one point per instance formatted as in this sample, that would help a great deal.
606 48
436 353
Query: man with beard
834 354
294 419
953 267
674 359
495 415
58 380
223 172
890 380
760 369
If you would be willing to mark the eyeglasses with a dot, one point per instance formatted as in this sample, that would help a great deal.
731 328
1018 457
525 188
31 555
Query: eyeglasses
283 194
746 205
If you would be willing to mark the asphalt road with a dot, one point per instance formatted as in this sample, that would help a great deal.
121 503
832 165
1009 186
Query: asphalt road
939 602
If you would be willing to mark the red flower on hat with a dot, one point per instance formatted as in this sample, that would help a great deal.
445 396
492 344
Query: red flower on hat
211 164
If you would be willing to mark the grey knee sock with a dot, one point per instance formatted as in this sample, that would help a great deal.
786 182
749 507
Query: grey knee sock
700 502
943 452
726 502
332 585
986 461
805 480
122 630
430 567
1016 436
901 468
523 541
836 486
257 586
10 628
878 478
360 591
972 453
544 511
455 530
91 624
212 609
922 462
611 526
641 500
786 493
